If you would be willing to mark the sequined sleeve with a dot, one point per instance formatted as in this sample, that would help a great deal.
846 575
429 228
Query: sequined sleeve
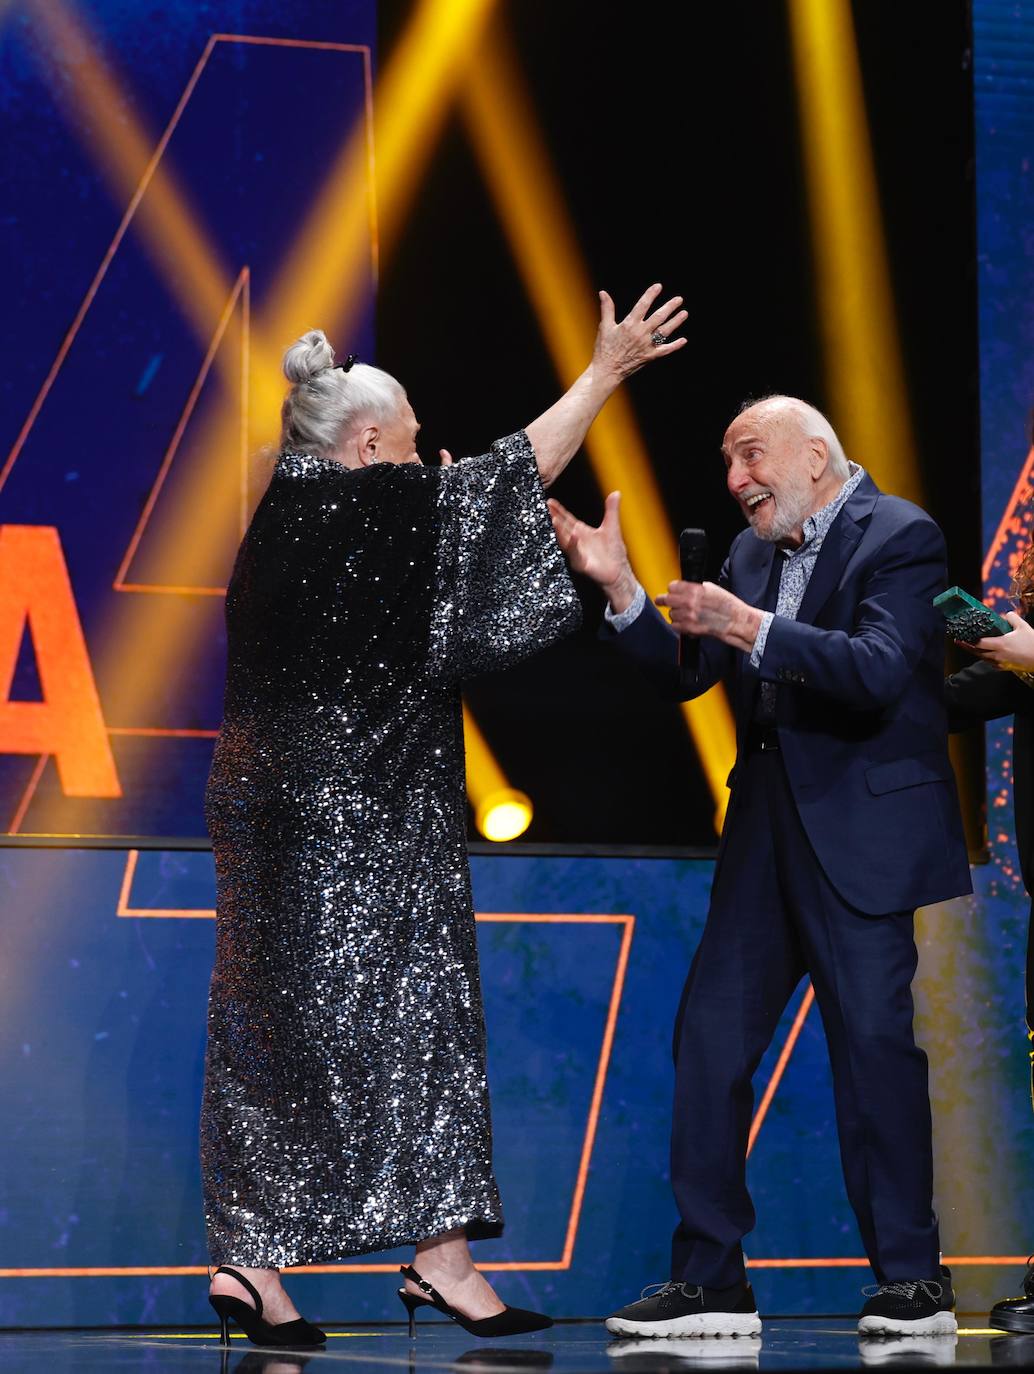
502 589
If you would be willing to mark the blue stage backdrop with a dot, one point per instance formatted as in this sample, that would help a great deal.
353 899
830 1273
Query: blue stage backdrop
105 967
1004 76
187 198
105 954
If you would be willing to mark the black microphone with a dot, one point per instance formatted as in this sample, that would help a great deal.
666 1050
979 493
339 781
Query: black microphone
693 562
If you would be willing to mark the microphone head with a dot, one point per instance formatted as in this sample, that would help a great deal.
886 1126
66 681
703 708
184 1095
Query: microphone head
693 555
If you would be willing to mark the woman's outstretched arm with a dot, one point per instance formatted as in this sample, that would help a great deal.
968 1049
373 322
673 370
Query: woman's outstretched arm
622 347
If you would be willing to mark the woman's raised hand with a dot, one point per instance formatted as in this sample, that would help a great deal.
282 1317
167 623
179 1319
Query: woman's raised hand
620 349
623 347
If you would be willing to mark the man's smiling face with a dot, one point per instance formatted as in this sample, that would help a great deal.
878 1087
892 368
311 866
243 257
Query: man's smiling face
770 472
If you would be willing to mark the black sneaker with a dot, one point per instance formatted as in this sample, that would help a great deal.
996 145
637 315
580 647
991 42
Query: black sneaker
916 1307
684 1309
1016 1314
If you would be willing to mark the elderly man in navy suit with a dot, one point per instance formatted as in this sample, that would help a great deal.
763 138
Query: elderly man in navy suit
843 819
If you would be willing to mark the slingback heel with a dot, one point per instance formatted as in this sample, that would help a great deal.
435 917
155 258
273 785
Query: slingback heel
512 1321
411 1302
298 1334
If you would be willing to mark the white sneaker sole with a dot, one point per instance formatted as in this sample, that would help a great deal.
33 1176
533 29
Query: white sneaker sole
694 1347
941 1324
696 1324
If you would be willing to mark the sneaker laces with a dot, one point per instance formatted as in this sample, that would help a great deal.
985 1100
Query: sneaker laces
907 1289
659 1290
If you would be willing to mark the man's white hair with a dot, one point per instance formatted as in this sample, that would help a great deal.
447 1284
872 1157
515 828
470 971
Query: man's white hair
812 424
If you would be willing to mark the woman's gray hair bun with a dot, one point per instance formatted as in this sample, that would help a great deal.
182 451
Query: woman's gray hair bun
308 357
325 403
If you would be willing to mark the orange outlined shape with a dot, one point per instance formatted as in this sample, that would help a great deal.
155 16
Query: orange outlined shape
133 731
241 293
160 732
363 50
1012 521
838 1262
789 1045
124 909
627 924
26 798
145 180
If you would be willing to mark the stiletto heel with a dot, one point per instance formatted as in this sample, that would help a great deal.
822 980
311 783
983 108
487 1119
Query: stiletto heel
298 1334
512 1321
410 1303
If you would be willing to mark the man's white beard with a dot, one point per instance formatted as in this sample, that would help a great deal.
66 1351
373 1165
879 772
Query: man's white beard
792 508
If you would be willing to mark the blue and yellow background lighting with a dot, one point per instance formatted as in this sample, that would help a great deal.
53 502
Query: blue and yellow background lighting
444 185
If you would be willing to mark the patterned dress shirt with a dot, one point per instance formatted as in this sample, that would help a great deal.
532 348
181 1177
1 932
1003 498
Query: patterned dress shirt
798 566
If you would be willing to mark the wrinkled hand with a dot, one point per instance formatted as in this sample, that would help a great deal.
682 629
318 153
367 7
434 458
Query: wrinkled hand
624 347
703 608
597 551
1014 650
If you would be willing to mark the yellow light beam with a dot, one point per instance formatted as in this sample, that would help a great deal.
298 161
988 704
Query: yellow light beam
862 357
501 813
869 406
326 276
483 772
517 169
134 168
418 84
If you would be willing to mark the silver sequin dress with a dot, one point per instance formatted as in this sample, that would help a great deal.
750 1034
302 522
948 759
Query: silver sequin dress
345 1105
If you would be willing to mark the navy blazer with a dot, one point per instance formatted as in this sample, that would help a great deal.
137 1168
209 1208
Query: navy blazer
860 710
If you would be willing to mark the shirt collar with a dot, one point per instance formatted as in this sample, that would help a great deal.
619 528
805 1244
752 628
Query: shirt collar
816 526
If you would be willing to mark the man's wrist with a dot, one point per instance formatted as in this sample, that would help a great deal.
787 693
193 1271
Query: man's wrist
621 592
748 623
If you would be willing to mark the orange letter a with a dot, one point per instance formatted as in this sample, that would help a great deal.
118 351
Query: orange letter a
34 586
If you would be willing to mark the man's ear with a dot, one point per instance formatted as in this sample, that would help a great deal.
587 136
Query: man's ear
818 459
366 444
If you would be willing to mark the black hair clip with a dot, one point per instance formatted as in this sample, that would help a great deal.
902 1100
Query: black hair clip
349 362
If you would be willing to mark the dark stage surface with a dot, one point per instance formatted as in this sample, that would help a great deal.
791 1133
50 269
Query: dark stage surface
574 1348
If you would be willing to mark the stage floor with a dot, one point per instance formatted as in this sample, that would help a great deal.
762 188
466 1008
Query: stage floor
572 1348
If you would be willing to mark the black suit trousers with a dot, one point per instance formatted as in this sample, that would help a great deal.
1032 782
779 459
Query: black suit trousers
774 918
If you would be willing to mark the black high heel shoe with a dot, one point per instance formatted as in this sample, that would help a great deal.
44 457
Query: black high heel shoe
298 1334
512 1321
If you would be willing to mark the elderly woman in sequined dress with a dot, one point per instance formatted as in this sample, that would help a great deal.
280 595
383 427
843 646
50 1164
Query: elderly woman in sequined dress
345 1106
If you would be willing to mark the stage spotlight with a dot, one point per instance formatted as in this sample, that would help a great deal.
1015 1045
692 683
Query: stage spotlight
500 811
503 815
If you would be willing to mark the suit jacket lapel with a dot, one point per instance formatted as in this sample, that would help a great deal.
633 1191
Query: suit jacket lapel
754 581
837 547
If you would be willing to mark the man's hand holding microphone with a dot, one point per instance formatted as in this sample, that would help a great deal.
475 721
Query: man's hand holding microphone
694 608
